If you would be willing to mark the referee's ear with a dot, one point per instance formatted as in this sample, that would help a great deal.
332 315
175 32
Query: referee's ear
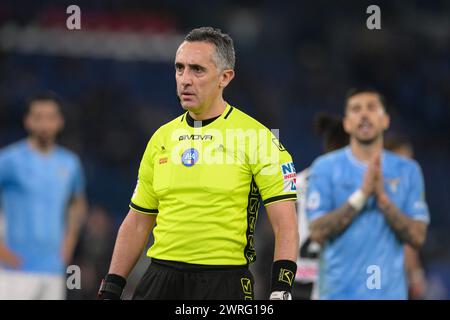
226 77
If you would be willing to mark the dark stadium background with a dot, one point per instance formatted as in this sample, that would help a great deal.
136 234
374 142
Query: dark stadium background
294 59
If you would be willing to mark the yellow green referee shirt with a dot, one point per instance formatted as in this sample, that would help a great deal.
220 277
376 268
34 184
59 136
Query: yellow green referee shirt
204 181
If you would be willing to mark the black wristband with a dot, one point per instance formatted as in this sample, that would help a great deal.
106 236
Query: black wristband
111 287
283 275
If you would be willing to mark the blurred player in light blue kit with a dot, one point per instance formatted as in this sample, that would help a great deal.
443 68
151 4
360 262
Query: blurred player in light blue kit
333 137
415 274
42 190
363 204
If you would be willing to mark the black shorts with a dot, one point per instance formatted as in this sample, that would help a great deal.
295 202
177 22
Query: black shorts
169 280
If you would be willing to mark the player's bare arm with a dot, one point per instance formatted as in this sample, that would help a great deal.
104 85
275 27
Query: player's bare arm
131 240
332 224
407 229
416 275
335 222
76 216
8 257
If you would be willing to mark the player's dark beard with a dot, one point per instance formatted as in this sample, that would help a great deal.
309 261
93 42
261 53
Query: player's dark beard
367 141
42 142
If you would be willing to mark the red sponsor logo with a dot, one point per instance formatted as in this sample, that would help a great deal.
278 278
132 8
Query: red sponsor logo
289 176
163 160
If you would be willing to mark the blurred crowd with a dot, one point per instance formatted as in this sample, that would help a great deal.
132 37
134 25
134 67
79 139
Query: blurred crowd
293 60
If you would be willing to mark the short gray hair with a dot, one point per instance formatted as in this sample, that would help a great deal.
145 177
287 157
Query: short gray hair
225 56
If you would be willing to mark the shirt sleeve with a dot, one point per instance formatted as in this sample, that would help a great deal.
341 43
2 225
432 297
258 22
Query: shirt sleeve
79 180
415 205
319 192
144 199
273 171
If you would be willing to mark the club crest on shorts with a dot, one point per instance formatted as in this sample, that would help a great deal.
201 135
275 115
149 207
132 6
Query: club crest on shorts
189 157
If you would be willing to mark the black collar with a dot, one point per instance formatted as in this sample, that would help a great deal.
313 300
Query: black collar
199 123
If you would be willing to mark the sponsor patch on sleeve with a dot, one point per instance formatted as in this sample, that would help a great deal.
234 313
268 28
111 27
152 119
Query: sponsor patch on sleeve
289 177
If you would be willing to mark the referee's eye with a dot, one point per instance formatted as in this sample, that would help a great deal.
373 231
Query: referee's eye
197 69
179 67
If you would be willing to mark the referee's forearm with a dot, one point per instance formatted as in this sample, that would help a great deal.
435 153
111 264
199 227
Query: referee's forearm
286 244
283 218
130 242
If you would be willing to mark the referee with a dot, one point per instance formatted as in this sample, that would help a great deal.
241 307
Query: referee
200 182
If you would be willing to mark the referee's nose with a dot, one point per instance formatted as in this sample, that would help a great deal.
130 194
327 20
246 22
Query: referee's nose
185 79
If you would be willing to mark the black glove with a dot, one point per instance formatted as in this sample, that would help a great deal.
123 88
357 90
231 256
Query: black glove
111 287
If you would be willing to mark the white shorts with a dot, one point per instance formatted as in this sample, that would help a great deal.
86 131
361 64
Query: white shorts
19 285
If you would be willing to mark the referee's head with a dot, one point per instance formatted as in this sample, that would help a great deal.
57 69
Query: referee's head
224 56
204 66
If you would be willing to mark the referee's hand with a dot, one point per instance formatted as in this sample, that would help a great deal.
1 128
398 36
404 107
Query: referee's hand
280 295
111 287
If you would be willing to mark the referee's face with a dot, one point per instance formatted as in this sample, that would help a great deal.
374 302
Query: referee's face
365 117
197 76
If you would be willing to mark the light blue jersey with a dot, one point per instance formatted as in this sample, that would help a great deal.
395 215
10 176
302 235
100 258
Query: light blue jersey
36 189
368 250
